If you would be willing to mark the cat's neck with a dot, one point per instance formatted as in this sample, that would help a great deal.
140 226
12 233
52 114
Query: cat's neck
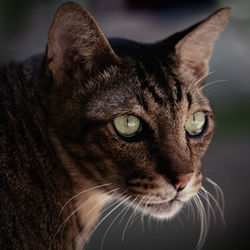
87 199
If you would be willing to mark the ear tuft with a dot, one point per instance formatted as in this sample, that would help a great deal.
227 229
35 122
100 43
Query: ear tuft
194 50
75 42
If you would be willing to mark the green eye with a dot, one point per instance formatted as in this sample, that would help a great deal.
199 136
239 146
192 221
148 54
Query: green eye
127 125
195 123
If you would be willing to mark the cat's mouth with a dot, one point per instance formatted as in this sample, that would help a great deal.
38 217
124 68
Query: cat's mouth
164 209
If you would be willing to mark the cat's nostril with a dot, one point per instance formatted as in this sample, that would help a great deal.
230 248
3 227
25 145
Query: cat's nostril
181 181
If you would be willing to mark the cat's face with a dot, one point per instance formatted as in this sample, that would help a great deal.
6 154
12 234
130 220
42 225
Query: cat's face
133 115
147 161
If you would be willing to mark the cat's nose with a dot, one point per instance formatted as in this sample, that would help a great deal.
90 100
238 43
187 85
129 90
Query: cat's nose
180 182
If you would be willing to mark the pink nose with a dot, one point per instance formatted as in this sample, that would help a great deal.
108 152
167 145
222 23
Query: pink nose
181 181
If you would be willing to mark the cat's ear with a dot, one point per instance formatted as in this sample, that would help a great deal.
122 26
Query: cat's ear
76 45
193 50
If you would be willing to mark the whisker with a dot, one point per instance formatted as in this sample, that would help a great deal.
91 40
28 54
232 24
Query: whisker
142 221
190 210
187 205
104 236
82 192
106 208
146 204
204 214
205 196
103 210
203 221
143 213
87 202
149 215
137 217
220 209
180 221
123 234
210 83
77 209
136 210
218 192
128 207
192 205
202 78
99 223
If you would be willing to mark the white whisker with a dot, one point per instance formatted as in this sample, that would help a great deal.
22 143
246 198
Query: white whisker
193 204
190 210
128 207
99 223
76 210
149 215
202 78
136 210
204 215
220 209
102 212
218 192
210 83
143 213
203 222
146 204
82 192
125 213
123 234
142 221
179 220
104 209
104 236
203 193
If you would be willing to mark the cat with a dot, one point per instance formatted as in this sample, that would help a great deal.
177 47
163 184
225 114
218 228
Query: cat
95 119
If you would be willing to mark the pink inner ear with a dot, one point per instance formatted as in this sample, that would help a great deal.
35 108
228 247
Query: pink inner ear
194 50
61 46
198 69
76 43
191 71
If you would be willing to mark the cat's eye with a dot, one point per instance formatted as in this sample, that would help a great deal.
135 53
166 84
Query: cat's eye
127 125
195 123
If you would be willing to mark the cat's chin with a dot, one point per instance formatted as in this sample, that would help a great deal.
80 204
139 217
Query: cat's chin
164 210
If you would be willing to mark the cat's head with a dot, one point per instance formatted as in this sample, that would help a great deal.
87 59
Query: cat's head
132 114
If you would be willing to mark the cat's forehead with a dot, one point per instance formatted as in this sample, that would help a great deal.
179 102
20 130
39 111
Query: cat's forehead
141 88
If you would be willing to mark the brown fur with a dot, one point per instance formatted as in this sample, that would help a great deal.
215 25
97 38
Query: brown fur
58 137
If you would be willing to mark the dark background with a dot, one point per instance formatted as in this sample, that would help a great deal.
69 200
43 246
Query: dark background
23 32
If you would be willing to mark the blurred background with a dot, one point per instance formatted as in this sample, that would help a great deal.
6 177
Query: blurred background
23 32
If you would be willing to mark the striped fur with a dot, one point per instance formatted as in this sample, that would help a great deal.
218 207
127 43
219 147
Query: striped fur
62 160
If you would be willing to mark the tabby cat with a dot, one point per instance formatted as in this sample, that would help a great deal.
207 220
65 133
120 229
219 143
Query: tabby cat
93 120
